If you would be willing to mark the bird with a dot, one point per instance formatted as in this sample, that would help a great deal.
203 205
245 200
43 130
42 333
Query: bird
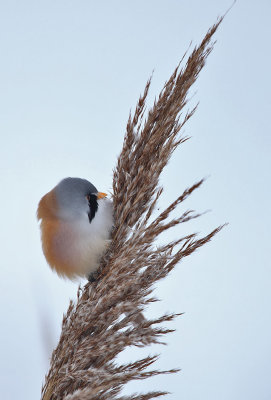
76 222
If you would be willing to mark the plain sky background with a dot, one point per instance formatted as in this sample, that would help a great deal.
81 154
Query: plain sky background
70 71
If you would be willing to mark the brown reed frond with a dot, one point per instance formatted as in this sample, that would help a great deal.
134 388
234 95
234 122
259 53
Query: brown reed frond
108 316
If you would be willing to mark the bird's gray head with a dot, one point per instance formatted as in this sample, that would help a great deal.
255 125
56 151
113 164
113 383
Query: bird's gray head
73 197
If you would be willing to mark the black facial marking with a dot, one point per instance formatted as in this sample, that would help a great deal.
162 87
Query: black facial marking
93 206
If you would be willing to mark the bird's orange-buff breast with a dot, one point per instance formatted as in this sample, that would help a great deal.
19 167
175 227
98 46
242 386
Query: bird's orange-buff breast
57 237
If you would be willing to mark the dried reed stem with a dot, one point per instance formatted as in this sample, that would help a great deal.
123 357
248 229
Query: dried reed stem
108 315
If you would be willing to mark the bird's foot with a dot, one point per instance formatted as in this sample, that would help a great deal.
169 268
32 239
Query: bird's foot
93 277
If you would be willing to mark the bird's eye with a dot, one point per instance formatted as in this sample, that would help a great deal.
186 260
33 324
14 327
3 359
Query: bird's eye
91 198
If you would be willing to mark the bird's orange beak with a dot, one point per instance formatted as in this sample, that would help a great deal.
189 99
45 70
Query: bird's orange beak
101 195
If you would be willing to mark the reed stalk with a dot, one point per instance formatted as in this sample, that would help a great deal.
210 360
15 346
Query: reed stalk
108 315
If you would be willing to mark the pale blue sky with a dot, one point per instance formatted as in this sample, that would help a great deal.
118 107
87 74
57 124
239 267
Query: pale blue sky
69 73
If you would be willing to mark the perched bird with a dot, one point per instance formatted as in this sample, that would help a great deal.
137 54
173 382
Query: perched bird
76 224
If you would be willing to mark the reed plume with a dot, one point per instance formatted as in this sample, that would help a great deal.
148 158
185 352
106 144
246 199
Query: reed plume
109 313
